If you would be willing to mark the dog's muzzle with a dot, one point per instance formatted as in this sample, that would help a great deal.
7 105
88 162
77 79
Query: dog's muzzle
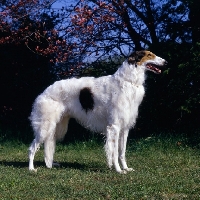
165 63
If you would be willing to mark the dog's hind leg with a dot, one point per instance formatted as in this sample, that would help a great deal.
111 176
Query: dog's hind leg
46 134
49 150
57 134
32 150
122 149
49 141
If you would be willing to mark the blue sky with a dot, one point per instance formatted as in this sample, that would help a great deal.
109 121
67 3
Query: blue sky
60 3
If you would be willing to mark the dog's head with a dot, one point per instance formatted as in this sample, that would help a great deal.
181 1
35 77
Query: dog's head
147 59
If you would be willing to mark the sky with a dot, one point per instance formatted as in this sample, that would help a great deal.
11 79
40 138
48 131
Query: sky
60 3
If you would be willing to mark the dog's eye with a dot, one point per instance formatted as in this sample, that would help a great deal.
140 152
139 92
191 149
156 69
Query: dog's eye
149 55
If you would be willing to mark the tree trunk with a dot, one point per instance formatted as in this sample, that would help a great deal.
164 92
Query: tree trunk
194 17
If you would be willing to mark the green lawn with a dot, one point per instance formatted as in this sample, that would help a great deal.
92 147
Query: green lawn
164 169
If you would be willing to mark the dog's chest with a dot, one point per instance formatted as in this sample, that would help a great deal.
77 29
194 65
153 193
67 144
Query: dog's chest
131 99
133 93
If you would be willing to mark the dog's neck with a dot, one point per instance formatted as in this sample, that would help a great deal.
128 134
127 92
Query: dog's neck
131 73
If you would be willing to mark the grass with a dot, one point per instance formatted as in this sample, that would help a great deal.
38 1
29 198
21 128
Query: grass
165 168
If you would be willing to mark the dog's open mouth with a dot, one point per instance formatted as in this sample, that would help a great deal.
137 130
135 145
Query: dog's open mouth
153 68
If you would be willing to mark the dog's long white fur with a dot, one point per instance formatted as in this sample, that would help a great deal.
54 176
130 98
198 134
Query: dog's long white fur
116 101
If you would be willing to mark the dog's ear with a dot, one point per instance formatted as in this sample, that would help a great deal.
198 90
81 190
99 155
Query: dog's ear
132 59
136 57
139 55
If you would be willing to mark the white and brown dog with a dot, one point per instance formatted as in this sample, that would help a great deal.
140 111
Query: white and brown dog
108 104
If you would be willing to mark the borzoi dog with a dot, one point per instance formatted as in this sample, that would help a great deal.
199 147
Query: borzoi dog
108 104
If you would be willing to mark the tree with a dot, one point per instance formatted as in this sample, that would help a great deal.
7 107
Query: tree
91 28
23 74
109 26
27 22
194 14
94 30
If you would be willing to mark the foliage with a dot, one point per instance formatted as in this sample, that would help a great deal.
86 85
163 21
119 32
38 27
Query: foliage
104 32
98 28
23 76
189 71
106 66
172 98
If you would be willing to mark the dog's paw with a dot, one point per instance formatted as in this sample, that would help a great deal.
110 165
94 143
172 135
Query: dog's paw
123 172
129 169
32 170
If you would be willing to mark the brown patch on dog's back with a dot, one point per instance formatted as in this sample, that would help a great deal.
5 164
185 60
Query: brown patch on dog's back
86 99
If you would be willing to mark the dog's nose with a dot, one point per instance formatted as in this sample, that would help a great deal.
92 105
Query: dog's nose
165 63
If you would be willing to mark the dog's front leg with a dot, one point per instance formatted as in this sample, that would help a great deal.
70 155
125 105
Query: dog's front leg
122 150
111 147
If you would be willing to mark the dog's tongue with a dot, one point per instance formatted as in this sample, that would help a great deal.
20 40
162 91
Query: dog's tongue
153 68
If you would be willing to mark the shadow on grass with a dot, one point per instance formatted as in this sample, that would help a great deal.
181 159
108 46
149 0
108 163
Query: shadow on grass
62 165
14 164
